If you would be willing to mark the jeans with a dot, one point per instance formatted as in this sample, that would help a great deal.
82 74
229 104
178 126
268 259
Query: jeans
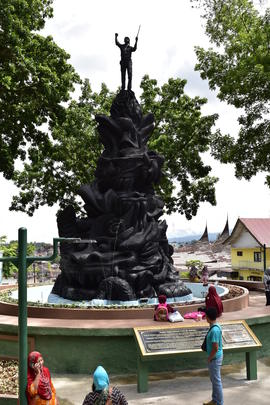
214 370
267 294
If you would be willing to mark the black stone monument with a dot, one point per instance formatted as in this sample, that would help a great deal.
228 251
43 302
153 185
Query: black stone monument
130 257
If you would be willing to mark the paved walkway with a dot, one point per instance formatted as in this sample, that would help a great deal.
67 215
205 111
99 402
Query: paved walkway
182 388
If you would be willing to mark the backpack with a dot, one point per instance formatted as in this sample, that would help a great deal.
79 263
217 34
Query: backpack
161 312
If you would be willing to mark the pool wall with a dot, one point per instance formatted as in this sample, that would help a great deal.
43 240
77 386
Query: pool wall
229 305
70 350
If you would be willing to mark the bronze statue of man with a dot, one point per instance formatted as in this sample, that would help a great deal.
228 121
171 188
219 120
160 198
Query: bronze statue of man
126 62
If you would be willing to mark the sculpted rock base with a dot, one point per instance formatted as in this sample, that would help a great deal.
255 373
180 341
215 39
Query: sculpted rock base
131 257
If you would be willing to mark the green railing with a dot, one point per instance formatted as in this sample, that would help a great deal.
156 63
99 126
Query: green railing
22 262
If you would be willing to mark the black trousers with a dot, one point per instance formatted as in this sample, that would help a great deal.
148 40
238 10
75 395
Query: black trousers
126 67
267 294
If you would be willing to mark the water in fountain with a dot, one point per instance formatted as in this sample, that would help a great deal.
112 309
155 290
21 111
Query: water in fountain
43 294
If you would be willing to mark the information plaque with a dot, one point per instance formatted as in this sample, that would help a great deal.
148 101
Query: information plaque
181 339
171 341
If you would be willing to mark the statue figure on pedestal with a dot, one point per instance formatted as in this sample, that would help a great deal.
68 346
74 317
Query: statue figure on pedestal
126 62
123 253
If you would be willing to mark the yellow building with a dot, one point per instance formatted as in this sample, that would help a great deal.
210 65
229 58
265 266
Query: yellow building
250 248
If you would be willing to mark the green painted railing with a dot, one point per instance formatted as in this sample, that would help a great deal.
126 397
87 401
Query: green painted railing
22 262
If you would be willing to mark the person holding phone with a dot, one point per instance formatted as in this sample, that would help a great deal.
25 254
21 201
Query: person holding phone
40 389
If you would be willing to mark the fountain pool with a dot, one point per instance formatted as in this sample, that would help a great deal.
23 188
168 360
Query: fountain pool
42 295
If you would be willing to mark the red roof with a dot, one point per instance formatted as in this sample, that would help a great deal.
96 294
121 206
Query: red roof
259 228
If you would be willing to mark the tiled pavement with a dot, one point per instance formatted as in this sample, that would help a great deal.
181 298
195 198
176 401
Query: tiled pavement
185 388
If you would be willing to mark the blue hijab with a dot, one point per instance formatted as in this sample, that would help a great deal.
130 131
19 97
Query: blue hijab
101 378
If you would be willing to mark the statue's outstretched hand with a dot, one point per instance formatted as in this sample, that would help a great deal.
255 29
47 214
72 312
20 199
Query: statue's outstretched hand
136 38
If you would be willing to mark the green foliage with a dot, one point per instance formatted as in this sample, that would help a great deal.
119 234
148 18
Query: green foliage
239 67
184 274
3 239
11 250
181 135
35 79
56 260
58 144
194 262
57 170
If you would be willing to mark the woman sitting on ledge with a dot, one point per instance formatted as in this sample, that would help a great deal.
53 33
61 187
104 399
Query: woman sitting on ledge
40 389
102 394
213 300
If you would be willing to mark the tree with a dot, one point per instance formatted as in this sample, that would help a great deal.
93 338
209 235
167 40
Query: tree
11 250
239 66
35 79
55 171
181 135
69 160
58 145
194 262
3 240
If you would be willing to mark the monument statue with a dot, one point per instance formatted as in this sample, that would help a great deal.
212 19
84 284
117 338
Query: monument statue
126 62
130 257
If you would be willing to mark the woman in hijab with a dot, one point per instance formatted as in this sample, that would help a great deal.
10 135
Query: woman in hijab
266 281
212 300
40 389
102 393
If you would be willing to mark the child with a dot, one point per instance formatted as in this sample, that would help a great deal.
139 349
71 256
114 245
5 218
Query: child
163 309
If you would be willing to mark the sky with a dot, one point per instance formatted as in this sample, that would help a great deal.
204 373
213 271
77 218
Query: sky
169 31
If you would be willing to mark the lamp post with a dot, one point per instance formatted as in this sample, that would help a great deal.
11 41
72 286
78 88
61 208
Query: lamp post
22 262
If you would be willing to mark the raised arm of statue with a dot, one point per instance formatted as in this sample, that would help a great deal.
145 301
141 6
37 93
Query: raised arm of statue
116 40
135 46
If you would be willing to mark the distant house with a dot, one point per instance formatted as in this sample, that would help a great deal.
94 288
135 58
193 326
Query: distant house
250 248
224 234
204 237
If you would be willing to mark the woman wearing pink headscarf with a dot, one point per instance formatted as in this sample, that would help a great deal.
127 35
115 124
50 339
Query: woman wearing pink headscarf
40 389
212 300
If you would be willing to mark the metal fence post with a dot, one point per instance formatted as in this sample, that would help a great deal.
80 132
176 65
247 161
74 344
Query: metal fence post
22 285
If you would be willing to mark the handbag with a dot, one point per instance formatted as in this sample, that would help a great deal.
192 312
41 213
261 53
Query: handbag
203 346
175 317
